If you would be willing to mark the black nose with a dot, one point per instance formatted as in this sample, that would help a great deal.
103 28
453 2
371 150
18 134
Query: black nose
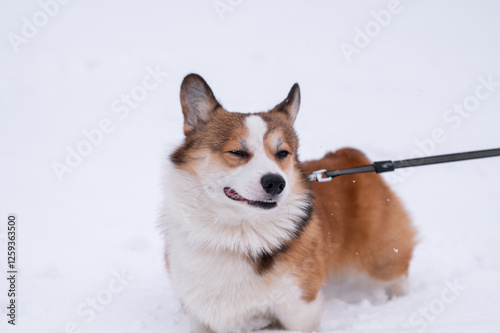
273 183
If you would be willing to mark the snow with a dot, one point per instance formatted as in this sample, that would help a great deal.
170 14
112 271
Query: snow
90 254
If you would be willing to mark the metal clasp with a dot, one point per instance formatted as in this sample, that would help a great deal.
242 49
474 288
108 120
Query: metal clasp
318 176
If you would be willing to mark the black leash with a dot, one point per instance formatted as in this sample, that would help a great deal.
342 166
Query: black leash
385 166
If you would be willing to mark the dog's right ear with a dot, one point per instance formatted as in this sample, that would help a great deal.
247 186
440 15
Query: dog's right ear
198 102
290 106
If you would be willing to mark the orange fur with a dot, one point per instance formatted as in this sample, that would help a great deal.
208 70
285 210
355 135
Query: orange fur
166 262
358 224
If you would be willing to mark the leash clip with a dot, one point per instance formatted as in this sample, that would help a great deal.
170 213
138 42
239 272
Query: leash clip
318 176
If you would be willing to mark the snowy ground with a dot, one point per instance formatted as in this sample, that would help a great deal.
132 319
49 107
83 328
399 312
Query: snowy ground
90 256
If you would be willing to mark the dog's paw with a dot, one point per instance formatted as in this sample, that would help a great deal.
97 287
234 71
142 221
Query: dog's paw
398 287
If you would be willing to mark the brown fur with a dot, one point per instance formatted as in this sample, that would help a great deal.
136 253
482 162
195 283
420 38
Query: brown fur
166 262
365 227
357 224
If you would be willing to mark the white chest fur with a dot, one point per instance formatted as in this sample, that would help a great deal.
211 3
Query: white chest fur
208 243
224 291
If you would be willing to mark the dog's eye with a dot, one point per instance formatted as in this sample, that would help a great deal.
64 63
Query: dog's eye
240 153
282 154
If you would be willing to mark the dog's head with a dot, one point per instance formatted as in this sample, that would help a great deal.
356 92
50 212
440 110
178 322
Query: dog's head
242 160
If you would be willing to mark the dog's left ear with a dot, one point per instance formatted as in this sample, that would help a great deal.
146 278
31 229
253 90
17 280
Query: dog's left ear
290 106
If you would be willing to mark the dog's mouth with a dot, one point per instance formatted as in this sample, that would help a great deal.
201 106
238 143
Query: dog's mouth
265 204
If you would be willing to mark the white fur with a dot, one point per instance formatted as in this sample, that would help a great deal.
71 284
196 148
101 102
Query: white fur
353 287
246 180
209 238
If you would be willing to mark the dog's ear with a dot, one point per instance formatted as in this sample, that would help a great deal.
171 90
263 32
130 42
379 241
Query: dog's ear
290 106
198 102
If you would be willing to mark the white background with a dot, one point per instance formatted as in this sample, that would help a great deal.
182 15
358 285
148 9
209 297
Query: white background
76 234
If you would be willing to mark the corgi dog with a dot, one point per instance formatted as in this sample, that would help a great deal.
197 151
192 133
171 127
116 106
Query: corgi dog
249 242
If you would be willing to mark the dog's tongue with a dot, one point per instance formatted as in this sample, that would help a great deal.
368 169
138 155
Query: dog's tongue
234 195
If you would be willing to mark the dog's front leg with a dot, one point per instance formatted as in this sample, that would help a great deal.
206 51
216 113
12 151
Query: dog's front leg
197 327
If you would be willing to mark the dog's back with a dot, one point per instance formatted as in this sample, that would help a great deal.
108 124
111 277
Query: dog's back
364 226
